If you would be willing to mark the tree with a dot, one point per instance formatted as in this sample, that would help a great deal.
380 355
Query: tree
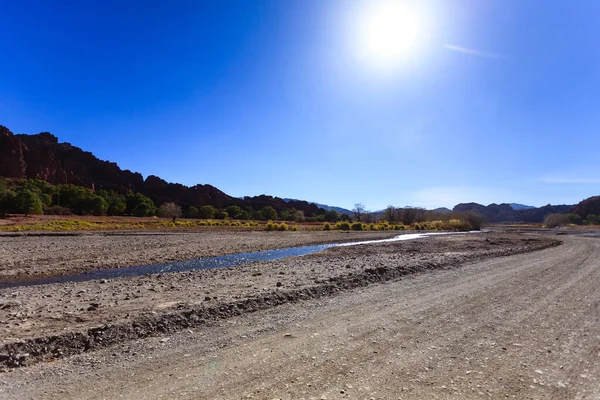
74 197
28 202
169 210
7 201
95 205
234 212
331 216
299 216
192 212
117 204
143 210
390 214
207 212
358 210
268 213
140 205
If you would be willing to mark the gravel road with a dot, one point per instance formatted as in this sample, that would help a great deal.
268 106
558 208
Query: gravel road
522 326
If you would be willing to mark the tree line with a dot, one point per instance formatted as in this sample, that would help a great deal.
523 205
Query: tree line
35 196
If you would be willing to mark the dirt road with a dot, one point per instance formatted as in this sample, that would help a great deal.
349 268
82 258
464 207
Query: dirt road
523 326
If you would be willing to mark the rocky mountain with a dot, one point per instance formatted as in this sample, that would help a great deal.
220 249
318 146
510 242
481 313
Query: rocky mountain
506 213
42 157
517 206
589 206
325 207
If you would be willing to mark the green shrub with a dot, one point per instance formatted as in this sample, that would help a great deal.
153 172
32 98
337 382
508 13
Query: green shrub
295 228
343 226
282 227
372 227
268 213
207 212
270 226
326 226
29 202
357 226
192 212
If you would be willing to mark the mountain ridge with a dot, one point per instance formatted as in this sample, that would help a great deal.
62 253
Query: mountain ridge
42 156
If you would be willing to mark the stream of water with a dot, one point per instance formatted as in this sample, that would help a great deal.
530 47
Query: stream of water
225 261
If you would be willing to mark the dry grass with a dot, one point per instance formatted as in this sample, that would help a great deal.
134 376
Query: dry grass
59 223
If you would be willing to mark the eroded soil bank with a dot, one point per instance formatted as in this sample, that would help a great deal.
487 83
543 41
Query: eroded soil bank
52 321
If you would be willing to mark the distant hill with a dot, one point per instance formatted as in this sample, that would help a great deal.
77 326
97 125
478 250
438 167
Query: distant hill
518 207
589 206
505 212
42 157
326 207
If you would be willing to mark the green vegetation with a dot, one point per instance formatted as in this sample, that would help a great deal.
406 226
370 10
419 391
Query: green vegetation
207 212
357 226
343 226
192 212
268 213
28 202
34 196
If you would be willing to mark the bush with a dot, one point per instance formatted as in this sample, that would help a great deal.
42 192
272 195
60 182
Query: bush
372 227
343 226
57 210
282 227
357 226
475 220
593 219
295 228
555 220
270 226
574 219
460 225
326 226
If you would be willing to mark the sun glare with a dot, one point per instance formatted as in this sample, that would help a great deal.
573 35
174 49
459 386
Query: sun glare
389 32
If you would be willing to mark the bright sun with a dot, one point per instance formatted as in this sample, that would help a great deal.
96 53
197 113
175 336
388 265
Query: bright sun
389 32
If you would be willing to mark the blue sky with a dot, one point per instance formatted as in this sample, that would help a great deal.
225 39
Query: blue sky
497 101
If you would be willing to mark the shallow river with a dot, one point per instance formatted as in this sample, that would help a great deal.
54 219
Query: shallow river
229 260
